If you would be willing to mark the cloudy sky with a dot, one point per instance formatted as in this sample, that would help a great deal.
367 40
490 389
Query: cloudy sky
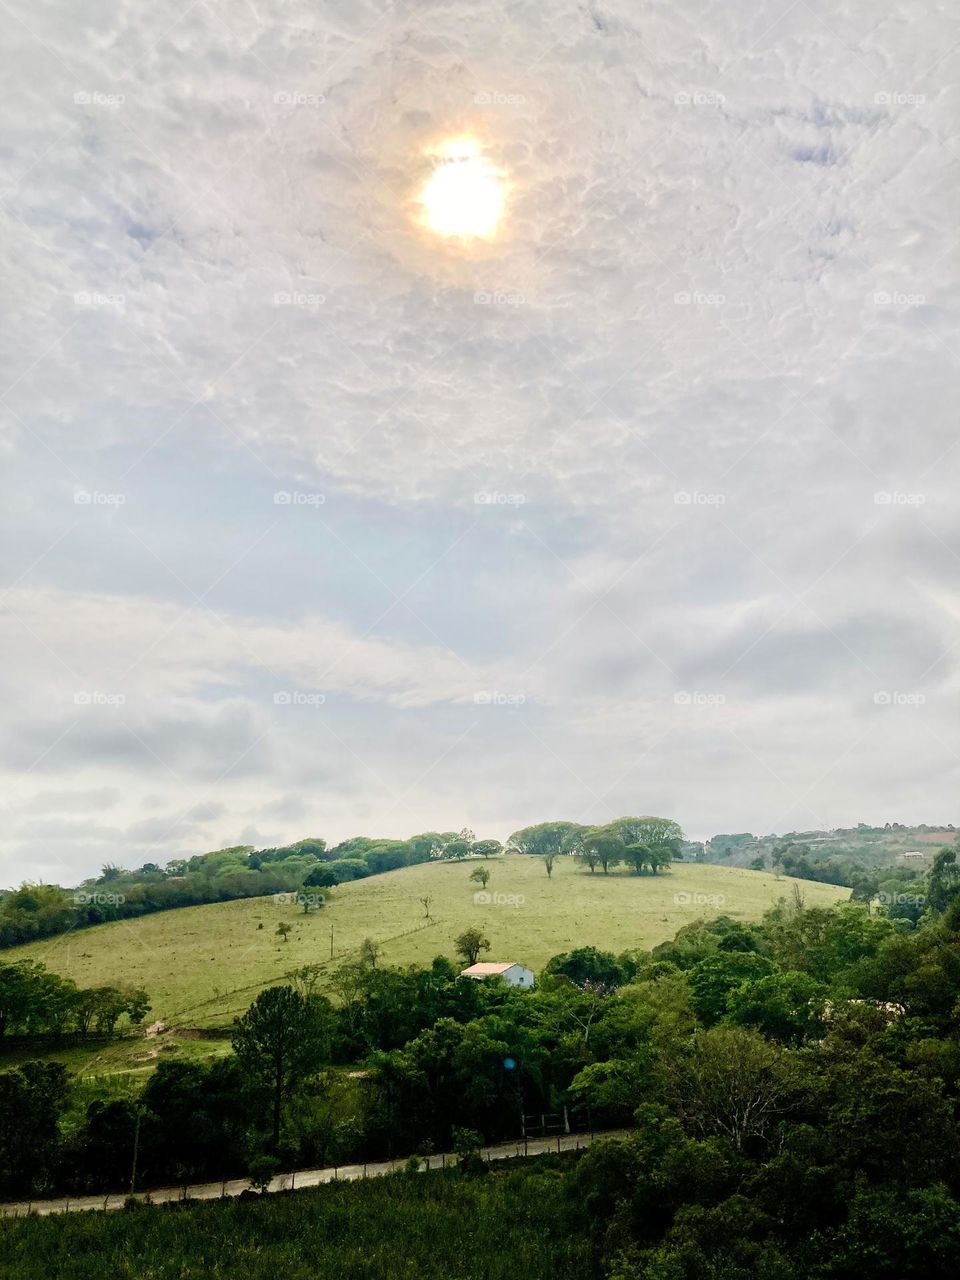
316 523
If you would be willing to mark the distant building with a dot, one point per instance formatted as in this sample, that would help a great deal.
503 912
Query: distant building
513 974
915 855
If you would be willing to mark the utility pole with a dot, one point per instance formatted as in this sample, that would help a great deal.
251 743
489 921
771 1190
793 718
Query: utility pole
136 1149
331 942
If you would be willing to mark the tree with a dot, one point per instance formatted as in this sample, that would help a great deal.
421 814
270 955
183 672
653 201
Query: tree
715 977
587 965
732 1083
782 1006
548 860
457 849
639 855
599 846
587 854
261 1170
480 876
943 883
467 1146
487 848
544 838
18 985
32 1099
369 953
660 839
280 1041
469 945
283 929
894 1234
321 877
426 902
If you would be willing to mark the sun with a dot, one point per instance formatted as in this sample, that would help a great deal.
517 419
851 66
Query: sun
464 196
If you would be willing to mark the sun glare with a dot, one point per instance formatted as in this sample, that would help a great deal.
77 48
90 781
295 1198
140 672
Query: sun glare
464 195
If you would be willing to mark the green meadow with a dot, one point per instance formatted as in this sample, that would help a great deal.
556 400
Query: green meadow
203 965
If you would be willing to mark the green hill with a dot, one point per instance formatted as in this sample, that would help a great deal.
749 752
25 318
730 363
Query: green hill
202 965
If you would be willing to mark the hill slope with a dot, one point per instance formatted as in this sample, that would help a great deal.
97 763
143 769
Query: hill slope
202 965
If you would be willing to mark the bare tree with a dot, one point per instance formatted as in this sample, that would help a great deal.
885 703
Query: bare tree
733 1083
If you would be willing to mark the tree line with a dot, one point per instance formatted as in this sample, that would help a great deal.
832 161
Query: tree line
34 1002
36 911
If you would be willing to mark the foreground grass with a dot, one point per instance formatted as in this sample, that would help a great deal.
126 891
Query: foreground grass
203 965
436 1226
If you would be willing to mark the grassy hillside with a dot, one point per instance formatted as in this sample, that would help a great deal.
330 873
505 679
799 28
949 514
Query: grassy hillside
202 965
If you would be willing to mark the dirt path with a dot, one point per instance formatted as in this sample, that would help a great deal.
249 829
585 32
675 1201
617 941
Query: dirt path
300 1178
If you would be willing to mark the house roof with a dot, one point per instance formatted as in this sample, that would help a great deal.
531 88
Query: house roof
486 968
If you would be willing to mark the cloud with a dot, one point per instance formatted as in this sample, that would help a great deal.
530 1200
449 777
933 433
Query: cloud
685 426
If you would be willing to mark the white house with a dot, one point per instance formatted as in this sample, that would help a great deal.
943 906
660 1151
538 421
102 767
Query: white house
514 975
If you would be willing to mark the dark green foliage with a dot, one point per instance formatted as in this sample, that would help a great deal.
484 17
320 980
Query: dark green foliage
31 1100
435 1226
34 1002
587 964
281 1040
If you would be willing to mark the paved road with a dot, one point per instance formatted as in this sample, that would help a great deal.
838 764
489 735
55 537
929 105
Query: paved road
300 1178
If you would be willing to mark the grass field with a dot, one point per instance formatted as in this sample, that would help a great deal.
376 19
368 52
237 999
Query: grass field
431 1226
203 965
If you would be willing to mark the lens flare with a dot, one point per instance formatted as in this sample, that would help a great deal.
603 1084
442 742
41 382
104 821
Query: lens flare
464 196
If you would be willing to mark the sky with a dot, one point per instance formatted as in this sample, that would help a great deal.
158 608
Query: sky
315 522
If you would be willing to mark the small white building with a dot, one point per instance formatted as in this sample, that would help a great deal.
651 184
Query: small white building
513 974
